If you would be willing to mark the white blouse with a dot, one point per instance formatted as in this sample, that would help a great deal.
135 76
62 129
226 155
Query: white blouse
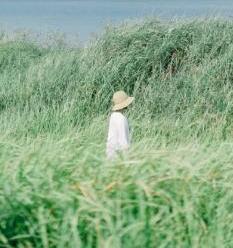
118 134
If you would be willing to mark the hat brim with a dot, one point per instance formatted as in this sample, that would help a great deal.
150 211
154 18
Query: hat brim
124 104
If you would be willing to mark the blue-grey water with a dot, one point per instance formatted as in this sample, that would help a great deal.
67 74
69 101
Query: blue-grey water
83 18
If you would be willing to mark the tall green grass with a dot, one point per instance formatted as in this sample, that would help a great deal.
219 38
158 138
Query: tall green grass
172 189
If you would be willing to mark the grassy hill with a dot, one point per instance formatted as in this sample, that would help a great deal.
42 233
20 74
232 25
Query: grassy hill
173 188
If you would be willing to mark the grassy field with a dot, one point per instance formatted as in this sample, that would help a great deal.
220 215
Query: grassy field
175 186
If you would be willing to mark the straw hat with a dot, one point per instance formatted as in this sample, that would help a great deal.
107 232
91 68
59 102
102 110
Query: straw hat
121 100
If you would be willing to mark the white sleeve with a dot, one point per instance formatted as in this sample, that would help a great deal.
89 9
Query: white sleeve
111 139
123 134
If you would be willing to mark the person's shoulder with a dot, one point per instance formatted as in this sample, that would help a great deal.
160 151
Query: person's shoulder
117 116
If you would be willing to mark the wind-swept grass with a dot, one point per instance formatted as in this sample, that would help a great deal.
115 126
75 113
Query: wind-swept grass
173 188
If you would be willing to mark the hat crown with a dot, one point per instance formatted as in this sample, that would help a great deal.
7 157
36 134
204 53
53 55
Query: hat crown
119 97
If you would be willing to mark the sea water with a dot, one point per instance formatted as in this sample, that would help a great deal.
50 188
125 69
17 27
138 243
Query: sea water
84 18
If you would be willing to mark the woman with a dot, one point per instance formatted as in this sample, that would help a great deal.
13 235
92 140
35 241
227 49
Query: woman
118 133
